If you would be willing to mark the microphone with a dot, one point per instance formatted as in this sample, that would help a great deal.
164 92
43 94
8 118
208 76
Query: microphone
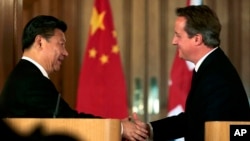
57 106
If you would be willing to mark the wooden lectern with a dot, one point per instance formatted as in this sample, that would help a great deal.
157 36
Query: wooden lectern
220 130
81 129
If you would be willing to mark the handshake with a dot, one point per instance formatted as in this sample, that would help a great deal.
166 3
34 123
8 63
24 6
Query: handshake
135 130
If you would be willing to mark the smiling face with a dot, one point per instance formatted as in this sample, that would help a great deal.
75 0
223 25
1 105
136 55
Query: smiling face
185 45
54 51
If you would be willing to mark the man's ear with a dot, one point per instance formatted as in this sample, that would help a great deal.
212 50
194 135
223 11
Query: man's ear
38 40
198 39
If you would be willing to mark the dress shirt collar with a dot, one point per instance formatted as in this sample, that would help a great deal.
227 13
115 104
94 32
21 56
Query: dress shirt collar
198 64
37 65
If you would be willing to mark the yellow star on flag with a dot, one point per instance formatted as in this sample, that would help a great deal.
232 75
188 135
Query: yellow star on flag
115 49
114 34
97 21
104 59
92 53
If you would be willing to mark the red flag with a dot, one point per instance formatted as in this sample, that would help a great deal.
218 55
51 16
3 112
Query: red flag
180 80
179 85
101 86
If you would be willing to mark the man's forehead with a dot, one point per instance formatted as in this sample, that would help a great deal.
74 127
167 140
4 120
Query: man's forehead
60 34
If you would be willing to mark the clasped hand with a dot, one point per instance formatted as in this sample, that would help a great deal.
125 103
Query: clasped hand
134 129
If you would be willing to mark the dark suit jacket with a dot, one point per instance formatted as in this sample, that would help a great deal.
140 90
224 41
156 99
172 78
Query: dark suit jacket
27 93
216 94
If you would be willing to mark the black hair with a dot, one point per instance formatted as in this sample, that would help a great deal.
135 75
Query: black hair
201 19
43 25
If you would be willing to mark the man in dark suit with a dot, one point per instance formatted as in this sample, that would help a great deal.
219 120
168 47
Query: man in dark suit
28 91
217 93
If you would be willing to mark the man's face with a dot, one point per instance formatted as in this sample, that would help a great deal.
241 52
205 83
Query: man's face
184 44
54 51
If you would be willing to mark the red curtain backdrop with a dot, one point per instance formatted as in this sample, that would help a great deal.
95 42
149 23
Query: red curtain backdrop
101 86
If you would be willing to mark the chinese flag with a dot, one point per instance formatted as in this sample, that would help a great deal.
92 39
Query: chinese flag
101 86
180 80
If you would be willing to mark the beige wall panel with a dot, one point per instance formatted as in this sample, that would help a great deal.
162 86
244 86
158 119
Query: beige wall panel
117 9
5 47
8 37
164 34
45 6
85 12
55 7
36 8
171 50
223 17
138 33
153 54
138 38
70 68
153 38
245 45
234 33
127 47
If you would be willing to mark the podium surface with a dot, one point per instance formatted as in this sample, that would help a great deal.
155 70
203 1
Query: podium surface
81 129
220 130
